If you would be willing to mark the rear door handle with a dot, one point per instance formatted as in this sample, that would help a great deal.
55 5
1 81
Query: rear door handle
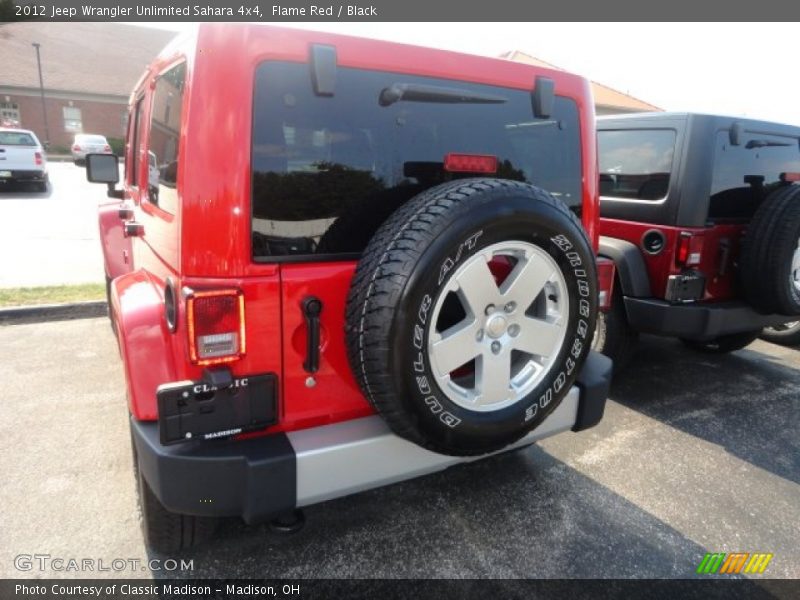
312 307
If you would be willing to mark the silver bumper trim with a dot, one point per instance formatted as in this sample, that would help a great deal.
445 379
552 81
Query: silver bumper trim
353 456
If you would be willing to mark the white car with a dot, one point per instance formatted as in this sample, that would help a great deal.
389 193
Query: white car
86 143
22 158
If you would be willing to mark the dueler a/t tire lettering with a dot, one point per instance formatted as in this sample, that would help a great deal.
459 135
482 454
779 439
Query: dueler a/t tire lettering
400 288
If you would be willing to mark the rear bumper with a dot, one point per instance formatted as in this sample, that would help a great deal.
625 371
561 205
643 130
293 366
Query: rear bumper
696 321
24 175
261 477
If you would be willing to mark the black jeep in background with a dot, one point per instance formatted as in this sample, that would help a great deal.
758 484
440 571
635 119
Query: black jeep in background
701 215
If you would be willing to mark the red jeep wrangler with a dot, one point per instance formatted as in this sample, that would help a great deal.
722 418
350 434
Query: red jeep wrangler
702 218
338 263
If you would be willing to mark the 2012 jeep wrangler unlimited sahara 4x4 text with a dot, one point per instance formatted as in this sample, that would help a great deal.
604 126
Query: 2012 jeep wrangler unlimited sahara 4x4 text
702 217
338 263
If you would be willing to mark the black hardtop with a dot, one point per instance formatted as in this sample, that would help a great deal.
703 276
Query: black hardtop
704 120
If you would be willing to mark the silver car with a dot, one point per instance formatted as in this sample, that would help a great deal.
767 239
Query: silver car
87 143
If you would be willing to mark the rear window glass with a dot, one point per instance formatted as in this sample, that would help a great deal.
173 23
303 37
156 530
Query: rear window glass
745 174
328 170
14 138
635 163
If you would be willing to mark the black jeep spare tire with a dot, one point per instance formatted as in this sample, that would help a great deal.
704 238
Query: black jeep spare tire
471 313
770 260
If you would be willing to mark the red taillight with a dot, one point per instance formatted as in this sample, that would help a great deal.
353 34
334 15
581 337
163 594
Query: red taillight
76 148
38 158
215 324
106 148
790 177
605 281
470 163
690 249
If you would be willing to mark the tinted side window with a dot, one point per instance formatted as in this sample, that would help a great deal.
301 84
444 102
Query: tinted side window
635 163
327 171
745 174
165 124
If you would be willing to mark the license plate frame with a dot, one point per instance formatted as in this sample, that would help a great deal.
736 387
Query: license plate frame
198 410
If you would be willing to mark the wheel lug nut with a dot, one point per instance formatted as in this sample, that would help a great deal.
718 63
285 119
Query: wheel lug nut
479 335
496 347
513 330
489 309
510 307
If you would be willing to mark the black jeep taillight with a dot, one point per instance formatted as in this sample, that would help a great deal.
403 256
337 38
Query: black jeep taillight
605 282
215 325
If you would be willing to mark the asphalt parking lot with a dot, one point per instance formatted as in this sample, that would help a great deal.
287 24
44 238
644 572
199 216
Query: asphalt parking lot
51 238
696 453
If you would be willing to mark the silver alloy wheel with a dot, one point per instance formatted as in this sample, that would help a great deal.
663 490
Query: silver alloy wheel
795 272
504 340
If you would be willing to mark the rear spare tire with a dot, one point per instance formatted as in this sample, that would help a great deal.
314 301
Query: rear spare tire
470 314
770 259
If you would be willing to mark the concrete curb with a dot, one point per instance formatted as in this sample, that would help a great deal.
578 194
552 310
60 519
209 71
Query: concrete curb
16 315
68 158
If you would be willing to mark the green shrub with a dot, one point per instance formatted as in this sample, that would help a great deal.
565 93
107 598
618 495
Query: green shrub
117 145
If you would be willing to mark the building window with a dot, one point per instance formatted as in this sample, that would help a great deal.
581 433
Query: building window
72 119
9 114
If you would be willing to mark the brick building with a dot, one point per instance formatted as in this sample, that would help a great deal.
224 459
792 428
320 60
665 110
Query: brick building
607 101
88 70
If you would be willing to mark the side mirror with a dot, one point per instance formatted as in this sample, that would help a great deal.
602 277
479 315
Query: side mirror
735 133
102 168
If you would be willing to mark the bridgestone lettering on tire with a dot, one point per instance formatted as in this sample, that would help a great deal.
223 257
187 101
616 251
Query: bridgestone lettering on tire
471 313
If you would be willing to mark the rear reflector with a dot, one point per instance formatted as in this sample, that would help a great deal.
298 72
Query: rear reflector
605 282
215 324
790 177
690 249
470 163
